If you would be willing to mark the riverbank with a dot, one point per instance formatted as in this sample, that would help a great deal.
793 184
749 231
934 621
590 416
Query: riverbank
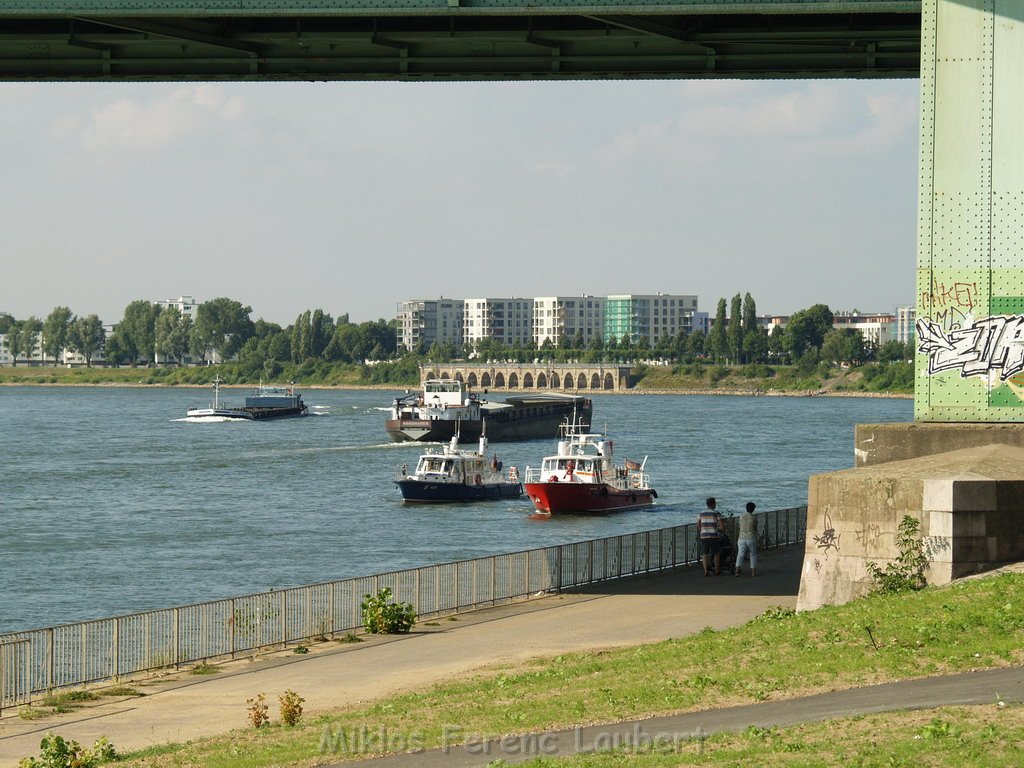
62 377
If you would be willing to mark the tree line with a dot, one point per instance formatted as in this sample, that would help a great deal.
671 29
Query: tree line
222 330
59 331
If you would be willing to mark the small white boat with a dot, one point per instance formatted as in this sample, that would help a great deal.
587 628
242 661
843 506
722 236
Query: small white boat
454 475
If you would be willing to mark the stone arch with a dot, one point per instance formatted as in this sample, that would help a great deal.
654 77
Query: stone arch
513 381
581 381
485 380
430 376
609 382
444 375
555 381
458 376
595 382
471 380
527 381
499 380
542 381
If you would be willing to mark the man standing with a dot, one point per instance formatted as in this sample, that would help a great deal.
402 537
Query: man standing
747 539
709 525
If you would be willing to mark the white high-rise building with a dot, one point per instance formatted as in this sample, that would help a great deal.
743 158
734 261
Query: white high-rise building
559 319
508 321
421 322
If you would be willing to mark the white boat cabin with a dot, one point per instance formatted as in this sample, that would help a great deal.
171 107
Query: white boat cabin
588 458
440 399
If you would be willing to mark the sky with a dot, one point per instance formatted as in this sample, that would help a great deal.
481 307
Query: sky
351 197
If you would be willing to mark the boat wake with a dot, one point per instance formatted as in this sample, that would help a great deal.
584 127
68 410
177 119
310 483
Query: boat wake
211 420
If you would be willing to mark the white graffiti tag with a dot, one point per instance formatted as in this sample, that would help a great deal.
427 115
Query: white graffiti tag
991 343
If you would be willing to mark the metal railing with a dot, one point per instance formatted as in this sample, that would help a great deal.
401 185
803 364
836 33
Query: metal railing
37 661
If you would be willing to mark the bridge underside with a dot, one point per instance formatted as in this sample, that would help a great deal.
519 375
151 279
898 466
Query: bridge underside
460 46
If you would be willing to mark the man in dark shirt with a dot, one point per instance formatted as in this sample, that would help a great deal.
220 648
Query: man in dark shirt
709 526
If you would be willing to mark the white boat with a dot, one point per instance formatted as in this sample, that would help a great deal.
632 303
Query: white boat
454 475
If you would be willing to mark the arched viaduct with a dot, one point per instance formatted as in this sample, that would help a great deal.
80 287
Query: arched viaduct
565 377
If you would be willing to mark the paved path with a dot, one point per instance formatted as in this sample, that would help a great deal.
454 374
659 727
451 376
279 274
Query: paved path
685 731
617 613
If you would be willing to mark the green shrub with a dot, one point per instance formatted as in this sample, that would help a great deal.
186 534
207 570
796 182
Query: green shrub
291 707
55 752
718 373
906 572
383 617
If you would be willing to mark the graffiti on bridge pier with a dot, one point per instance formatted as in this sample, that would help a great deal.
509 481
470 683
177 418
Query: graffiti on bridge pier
990 344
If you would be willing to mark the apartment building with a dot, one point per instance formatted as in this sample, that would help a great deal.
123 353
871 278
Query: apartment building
905 319
650 316
421 322
559 319
506 320
184 304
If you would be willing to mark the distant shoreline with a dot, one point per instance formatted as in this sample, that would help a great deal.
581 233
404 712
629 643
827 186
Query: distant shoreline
397 387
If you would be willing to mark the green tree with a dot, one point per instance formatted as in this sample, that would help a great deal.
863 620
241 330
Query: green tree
30 330
138 330
13 342
222 326
807 329
280 347
735 330
317 339
749 314
695 343
55 333
843 345
892 351
755 345
86 337
6 321
172 333
719 340
113 351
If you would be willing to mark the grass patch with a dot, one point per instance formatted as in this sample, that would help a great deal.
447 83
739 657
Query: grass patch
974 624
349 637
67 701
962 736
205 669
121 690
28 712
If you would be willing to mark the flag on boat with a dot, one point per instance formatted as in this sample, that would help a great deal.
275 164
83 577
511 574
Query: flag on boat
632 465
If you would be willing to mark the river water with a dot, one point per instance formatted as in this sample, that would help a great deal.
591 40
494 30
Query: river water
111 502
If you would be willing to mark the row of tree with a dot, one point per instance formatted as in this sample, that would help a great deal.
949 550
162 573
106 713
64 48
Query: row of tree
223 329
59 331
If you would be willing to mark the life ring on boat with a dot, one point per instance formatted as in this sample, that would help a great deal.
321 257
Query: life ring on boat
478 480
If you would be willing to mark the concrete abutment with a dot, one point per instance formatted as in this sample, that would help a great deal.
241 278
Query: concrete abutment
969 502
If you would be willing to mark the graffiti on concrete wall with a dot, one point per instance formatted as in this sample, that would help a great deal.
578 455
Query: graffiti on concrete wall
829 539
979 348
